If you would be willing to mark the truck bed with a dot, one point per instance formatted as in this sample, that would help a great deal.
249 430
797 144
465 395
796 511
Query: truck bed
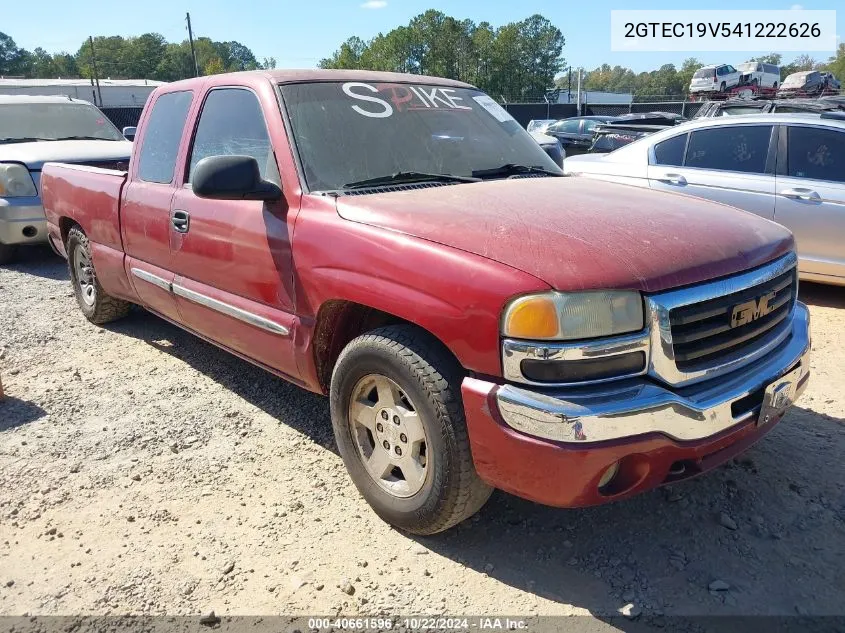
89 196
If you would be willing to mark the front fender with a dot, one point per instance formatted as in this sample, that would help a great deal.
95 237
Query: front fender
456 296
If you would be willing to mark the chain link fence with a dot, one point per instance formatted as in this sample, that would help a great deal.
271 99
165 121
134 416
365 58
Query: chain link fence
525 112
123 117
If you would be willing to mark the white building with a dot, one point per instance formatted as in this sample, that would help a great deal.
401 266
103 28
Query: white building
594 96
116 93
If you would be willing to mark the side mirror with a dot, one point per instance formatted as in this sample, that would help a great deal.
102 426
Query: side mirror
129 132
232 178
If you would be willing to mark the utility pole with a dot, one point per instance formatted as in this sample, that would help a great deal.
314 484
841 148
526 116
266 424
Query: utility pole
579 91
569 87
191 40
94 65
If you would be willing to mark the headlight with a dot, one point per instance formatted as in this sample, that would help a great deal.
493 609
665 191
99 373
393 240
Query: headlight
568 316
15 181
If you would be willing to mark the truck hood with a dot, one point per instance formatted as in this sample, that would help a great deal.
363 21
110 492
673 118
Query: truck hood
578 234
35 154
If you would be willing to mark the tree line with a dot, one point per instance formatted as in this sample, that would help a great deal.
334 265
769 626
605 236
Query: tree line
669 81
517 61
147 56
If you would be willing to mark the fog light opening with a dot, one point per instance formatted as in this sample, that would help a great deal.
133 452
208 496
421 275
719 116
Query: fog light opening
607 477
30 231
677 469
624 476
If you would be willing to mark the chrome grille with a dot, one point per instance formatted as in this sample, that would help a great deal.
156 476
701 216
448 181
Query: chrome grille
695 336
703 333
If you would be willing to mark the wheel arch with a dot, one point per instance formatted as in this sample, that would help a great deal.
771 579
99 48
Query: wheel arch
339 321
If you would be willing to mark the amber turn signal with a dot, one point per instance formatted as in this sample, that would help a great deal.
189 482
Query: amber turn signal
532 317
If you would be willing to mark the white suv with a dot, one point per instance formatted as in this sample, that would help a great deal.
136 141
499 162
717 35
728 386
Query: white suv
715 78
760 74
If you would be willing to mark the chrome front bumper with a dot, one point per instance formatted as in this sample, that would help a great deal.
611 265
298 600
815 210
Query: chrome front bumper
639 406
22 221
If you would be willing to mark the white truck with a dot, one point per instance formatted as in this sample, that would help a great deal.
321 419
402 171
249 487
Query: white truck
35 130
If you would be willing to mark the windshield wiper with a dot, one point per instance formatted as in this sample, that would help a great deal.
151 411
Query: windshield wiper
406 177
512 169
83 138
23 139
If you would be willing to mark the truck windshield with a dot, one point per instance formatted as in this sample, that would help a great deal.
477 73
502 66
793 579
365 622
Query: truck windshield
353 132
22 122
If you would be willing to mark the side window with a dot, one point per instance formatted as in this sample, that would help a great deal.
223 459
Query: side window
231 123
815 152
730 148
162 136
671 151
730 69
567 126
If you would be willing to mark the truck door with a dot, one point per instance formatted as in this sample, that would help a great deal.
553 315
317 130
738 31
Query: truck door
232 258
145 208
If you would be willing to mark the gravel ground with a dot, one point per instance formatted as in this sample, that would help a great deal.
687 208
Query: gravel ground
145 471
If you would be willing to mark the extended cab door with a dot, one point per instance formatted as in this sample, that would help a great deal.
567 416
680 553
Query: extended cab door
232 258
732 164
145 208
811 196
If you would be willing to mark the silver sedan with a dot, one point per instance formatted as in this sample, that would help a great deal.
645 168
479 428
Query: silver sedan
789 168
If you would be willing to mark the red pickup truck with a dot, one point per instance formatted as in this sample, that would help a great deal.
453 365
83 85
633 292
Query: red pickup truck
478 321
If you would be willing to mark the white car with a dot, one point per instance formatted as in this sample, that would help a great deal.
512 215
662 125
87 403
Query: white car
35 130
789 168
759 74
714 78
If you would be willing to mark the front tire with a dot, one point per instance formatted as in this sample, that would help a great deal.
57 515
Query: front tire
97 306
7 253
399 424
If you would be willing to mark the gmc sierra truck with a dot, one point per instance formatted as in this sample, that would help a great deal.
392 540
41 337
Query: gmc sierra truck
477 320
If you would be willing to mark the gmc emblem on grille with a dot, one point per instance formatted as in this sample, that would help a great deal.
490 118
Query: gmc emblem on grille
751 310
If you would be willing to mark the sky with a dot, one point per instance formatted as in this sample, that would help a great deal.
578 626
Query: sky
298 34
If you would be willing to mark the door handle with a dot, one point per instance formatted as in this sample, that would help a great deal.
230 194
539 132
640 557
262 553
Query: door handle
801 193
673 179
181 221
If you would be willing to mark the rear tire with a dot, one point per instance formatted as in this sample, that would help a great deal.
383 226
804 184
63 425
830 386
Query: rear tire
722 87
97 306
8 253
397 388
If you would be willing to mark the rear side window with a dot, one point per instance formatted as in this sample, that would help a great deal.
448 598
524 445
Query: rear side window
731 148
671 151
231 123
817 153
162 136
567 126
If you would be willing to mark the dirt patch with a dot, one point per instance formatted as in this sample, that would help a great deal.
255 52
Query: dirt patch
145 471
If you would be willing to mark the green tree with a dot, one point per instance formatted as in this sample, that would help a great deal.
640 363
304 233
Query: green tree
836 64
240 57
41 64
142 55
518 60
688 68
801 63
771 58
176 63
214 67
13 60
